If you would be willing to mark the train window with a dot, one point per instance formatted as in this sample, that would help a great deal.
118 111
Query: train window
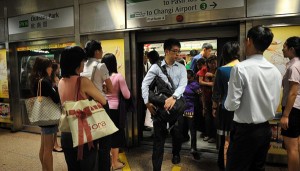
26 59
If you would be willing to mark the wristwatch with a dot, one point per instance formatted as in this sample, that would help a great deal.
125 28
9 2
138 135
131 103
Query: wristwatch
174 97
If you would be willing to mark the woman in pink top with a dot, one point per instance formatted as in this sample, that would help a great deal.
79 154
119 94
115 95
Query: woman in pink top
290 120
72 62
119 86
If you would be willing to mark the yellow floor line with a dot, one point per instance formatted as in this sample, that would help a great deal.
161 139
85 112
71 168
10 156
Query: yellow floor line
123 158
176 168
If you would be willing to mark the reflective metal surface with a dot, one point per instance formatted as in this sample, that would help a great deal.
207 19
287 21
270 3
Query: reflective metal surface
272 7
51 33
1 9
102 15
19 7
2 35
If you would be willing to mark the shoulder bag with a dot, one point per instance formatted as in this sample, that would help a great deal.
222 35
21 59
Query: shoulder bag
42 111
159 91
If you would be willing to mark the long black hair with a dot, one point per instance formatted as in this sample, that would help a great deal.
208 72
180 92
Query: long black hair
294 42
110 61
91 46
39 70
230 51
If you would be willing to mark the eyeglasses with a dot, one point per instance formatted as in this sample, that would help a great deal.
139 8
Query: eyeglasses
175 51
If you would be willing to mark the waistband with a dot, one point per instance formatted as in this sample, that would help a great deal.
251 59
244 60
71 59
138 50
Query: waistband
251 124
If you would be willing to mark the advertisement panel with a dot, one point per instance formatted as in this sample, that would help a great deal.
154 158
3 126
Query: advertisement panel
4 92
5 113
116 47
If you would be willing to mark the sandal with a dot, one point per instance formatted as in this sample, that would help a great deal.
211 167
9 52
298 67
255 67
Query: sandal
119 168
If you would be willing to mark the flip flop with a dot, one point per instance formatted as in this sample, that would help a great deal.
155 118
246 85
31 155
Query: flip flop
58 150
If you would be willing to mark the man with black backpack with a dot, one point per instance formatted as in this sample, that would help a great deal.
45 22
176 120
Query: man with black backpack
174 76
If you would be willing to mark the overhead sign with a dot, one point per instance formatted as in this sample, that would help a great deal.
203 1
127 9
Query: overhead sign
150 9
58 18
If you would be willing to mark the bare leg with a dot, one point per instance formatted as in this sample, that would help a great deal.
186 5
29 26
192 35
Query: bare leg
292 147
227 139
47 157
41 153
115 156
56 146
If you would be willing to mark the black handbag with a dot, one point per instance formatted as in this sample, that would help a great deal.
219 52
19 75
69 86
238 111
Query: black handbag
159 91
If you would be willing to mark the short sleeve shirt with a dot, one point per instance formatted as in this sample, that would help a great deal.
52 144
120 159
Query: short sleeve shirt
100 75
292 74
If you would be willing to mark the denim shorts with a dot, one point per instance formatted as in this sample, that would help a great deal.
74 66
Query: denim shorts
49 129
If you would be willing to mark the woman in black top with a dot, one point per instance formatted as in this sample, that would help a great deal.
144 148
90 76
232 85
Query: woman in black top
42 69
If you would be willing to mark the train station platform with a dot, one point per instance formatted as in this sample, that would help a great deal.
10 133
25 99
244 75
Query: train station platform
19 151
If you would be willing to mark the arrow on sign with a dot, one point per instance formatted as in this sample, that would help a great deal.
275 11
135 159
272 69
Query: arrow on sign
214 5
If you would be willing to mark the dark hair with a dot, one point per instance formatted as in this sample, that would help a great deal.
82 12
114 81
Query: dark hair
146 53
294 42
211 58
181 61
90 48
153 56
207 46
169 43
110 61
70 60
40 66
261 36
54 68
39 70
190 73
194 52
201 61
230 51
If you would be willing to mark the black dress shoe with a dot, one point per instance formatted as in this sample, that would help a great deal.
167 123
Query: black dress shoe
176 159
147 128
195 154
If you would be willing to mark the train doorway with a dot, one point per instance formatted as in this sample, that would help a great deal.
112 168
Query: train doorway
190 39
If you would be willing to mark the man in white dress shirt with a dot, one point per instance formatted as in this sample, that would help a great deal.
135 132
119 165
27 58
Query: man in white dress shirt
254 94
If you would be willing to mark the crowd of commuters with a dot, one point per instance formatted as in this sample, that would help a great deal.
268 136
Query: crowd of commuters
235 101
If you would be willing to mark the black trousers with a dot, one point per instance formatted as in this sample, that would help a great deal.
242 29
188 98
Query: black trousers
189 124
89 160
210 124
104 148
160 133
248 147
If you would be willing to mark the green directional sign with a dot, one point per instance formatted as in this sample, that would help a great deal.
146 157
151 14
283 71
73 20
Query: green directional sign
23 23
203 6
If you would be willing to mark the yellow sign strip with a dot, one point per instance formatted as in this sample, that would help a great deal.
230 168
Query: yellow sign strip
123 158
176 168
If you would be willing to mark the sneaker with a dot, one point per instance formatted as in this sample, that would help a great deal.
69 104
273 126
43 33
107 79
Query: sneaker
211 140
206 138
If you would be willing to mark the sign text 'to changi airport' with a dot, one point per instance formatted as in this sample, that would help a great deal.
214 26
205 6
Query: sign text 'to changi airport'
161 8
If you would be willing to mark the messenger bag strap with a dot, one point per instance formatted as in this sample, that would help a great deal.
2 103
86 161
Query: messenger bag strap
164 71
